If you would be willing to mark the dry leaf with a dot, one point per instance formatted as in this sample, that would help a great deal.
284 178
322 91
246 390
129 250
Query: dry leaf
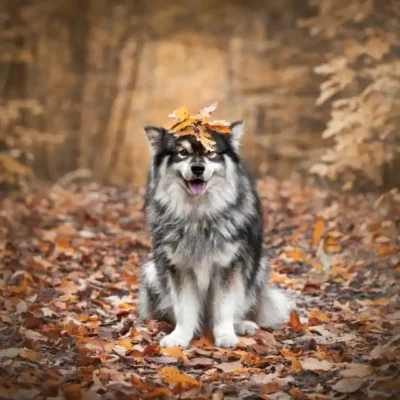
176 353
315 365
206 112
318 231
201 362
296 366
172 376
230 366
348 385
10 353
357 371
186 124
316 314
295 323
180 114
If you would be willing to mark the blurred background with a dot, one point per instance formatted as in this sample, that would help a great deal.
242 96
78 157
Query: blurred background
316 81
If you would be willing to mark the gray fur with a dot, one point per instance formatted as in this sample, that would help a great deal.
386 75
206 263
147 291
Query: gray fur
206 270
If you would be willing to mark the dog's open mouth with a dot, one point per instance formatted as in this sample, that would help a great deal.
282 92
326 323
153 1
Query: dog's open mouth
196 186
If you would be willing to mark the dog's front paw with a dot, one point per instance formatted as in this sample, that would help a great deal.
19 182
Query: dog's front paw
226 340
173 340
246 328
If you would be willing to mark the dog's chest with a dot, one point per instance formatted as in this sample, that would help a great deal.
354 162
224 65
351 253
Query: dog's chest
200 248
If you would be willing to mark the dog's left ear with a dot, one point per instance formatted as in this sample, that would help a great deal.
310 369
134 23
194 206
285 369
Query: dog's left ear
237 129
155 137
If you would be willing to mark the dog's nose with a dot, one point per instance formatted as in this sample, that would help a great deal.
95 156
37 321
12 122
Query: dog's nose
198 169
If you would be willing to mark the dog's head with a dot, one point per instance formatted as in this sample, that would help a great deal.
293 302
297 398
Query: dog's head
190 173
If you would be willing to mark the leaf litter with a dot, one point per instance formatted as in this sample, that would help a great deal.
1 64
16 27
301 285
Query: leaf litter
68 293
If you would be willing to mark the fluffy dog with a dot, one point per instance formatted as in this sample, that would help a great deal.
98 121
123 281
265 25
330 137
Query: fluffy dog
205 220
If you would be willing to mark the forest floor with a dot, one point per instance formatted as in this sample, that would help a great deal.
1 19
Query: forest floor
69 267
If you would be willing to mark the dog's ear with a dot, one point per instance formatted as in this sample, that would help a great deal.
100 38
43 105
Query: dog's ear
155 137
237 133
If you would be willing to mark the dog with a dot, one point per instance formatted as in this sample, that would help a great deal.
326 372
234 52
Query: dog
205 219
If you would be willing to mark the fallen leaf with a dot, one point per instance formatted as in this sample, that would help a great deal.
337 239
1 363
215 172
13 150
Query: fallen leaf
176 353
357 371
316 314
295 323
318 231
348 385
201 362
296 367
271 387
266 338
10 353
315 365
229 366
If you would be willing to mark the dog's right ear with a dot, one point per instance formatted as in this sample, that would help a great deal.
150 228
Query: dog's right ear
155 137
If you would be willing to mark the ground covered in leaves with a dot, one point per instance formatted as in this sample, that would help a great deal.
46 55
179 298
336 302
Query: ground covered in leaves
69 267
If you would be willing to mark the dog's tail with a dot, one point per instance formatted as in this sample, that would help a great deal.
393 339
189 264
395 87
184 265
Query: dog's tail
274 307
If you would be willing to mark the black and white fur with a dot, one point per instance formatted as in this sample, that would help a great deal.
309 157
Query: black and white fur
207 268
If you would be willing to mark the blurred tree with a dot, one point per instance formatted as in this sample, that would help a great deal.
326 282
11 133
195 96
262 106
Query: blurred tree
362 86
98 70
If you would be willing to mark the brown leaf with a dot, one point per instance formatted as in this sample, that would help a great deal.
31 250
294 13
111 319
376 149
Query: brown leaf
315 365
201 362
297 394
348 385
183 380
316 314
266 338
10 353
295 323
29 354
73 392
357 371
176 353
271 387
172 375
230 366
160 360
296 367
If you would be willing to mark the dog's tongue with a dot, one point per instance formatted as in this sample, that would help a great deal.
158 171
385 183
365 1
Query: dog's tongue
196 187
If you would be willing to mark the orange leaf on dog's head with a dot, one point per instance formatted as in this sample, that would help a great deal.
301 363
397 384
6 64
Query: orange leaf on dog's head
207 111
180 114
180 125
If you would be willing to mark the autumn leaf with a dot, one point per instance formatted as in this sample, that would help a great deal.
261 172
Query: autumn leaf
318 315
172 376
183 380
318 231
296 366
180 114
348 385
186 124
176 353
183 128
230 366
295 323
357 371
316 365
206 112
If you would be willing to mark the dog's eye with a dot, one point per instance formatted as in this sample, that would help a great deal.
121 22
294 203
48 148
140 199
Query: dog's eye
211 154
183 153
